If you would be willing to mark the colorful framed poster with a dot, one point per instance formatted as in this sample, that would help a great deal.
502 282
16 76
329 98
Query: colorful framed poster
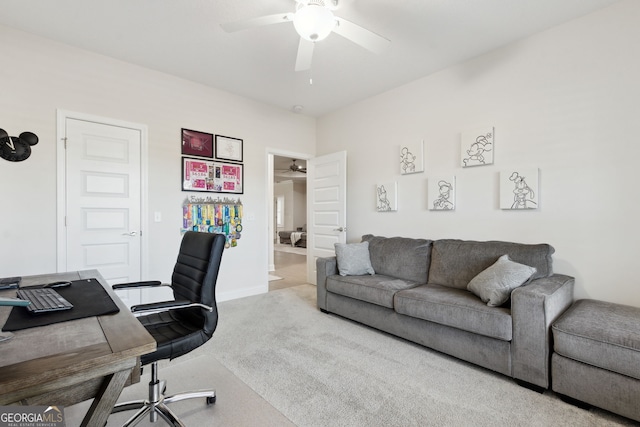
211 176
196 143
228 148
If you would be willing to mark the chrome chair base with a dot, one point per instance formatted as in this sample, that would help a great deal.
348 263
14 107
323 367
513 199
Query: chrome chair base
156 405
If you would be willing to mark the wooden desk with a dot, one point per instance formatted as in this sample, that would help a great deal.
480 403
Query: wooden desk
68 362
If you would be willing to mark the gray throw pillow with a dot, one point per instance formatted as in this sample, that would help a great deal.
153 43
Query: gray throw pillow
494 285
353 259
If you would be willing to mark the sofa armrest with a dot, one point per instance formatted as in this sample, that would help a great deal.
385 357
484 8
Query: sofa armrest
533 309
325 267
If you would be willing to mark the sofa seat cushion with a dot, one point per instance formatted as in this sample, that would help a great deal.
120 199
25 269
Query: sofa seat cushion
400 257
457 308
601 334
455 262
377 289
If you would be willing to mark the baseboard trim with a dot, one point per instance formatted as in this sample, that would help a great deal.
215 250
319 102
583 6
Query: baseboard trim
228 296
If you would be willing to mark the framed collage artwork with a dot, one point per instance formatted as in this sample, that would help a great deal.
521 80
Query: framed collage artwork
212 176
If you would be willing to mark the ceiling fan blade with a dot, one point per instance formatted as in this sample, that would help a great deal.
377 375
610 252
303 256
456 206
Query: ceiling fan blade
278 18
305 53
361 36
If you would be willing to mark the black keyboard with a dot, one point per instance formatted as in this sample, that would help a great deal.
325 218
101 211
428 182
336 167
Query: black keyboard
43 300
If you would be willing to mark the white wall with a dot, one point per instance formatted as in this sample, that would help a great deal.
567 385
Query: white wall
299 204
39 76
566 101
295 203
285 189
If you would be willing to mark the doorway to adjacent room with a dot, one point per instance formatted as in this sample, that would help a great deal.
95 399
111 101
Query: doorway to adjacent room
289 218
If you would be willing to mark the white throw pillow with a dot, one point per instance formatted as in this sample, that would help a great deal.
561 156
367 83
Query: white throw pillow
494 285
353 259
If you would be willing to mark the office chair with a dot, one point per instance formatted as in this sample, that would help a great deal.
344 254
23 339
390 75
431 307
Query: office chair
182 325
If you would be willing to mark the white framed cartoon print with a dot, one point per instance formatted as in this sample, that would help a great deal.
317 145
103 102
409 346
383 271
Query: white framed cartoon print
387 197
520 188
412 158
476 147
441 193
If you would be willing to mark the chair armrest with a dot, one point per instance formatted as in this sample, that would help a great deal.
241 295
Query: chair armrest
325 267
168 305
147 284
534 308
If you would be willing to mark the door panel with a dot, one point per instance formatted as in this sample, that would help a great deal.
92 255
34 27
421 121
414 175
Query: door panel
104 201
327 198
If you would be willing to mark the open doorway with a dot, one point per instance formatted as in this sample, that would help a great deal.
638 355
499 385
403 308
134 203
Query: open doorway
288 222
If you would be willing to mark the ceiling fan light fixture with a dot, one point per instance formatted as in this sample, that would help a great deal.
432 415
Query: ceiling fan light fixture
314 22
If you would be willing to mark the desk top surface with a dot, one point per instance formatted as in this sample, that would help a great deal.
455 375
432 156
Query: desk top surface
79 347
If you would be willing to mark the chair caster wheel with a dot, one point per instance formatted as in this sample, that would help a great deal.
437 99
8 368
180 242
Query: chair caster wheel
211 400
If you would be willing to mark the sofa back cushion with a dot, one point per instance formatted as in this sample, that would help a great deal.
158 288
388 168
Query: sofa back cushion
400 257
455 262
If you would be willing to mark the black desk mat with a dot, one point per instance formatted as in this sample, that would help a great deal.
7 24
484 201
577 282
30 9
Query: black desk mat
88 297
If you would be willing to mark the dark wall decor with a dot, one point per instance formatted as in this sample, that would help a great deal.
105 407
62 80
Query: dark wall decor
196 143
16 148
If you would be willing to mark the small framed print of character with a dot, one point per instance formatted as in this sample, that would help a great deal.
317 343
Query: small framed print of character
386 197
412 158
519 189
442 194
476 147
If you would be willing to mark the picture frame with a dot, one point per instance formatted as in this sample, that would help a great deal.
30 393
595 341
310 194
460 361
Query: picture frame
210 176
387 197
196 143
520 189
228 148
477 147
441 193
412 158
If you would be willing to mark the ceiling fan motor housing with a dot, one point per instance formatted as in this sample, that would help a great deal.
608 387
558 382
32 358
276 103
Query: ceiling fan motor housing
313 20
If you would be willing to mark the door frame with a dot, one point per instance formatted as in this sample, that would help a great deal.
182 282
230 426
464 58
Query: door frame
61 184
270 194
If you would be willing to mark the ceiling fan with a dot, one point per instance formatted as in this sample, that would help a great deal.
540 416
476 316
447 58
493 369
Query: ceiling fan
293 168
314 20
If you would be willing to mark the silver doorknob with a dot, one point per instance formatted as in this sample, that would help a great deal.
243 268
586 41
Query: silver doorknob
133 233
341 229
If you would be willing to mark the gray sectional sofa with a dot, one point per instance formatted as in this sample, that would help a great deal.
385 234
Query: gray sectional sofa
419 293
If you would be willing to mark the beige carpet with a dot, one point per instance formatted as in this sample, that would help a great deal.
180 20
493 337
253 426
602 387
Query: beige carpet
276 360
323 370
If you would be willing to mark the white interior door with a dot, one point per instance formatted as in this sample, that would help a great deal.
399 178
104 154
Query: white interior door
327 207
103 205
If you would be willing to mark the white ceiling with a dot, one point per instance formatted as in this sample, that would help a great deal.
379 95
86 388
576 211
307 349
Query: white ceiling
184 38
